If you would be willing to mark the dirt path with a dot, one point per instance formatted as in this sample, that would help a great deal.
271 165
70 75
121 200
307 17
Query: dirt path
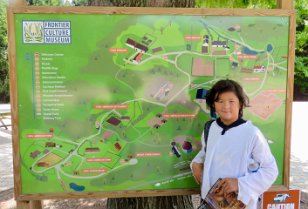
7 202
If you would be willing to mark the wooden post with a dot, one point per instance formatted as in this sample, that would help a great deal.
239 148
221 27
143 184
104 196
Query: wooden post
285 4
288 4
23 204
36 204
32 204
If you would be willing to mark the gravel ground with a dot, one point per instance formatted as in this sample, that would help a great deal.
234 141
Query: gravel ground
7 202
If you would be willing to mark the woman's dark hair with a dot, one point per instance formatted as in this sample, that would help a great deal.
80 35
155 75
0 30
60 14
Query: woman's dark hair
223 86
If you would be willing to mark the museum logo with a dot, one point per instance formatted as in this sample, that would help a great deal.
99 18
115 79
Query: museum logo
46 32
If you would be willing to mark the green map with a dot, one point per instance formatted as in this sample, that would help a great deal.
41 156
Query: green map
116 102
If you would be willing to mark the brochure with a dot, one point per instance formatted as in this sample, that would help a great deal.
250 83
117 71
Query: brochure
216 200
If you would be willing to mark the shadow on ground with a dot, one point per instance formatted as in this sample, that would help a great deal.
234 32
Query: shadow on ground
7 202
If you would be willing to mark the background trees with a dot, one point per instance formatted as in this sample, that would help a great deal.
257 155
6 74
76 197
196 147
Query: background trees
4 78
301 51
236 4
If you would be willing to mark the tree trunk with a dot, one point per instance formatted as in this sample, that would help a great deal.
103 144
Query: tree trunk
164 202
143 3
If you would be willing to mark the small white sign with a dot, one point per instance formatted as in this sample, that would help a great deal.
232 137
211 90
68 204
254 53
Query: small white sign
46 32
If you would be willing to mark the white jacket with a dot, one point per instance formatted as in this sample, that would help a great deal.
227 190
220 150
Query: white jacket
243 153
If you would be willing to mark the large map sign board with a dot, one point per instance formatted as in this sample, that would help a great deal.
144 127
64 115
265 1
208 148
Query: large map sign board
113 104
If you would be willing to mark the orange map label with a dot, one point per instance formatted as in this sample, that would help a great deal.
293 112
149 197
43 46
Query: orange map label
179 115
36 136
246 57
251 79
118 50
93 170
192 38
99 160
148 154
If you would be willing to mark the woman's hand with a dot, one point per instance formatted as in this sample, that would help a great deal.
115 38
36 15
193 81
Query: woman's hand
197 170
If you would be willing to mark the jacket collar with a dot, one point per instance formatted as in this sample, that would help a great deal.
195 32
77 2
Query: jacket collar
225 128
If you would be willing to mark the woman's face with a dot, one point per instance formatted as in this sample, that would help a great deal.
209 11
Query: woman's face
227 107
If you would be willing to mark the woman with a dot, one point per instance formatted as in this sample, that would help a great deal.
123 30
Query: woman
236 150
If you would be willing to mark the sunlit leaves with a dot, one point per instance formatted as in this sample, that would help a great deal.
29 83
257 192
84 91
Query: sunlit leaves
236 4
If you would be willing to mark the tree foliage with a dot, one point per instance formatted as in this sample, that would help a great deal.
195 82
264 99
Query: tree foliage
4 78
236 4
301 49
